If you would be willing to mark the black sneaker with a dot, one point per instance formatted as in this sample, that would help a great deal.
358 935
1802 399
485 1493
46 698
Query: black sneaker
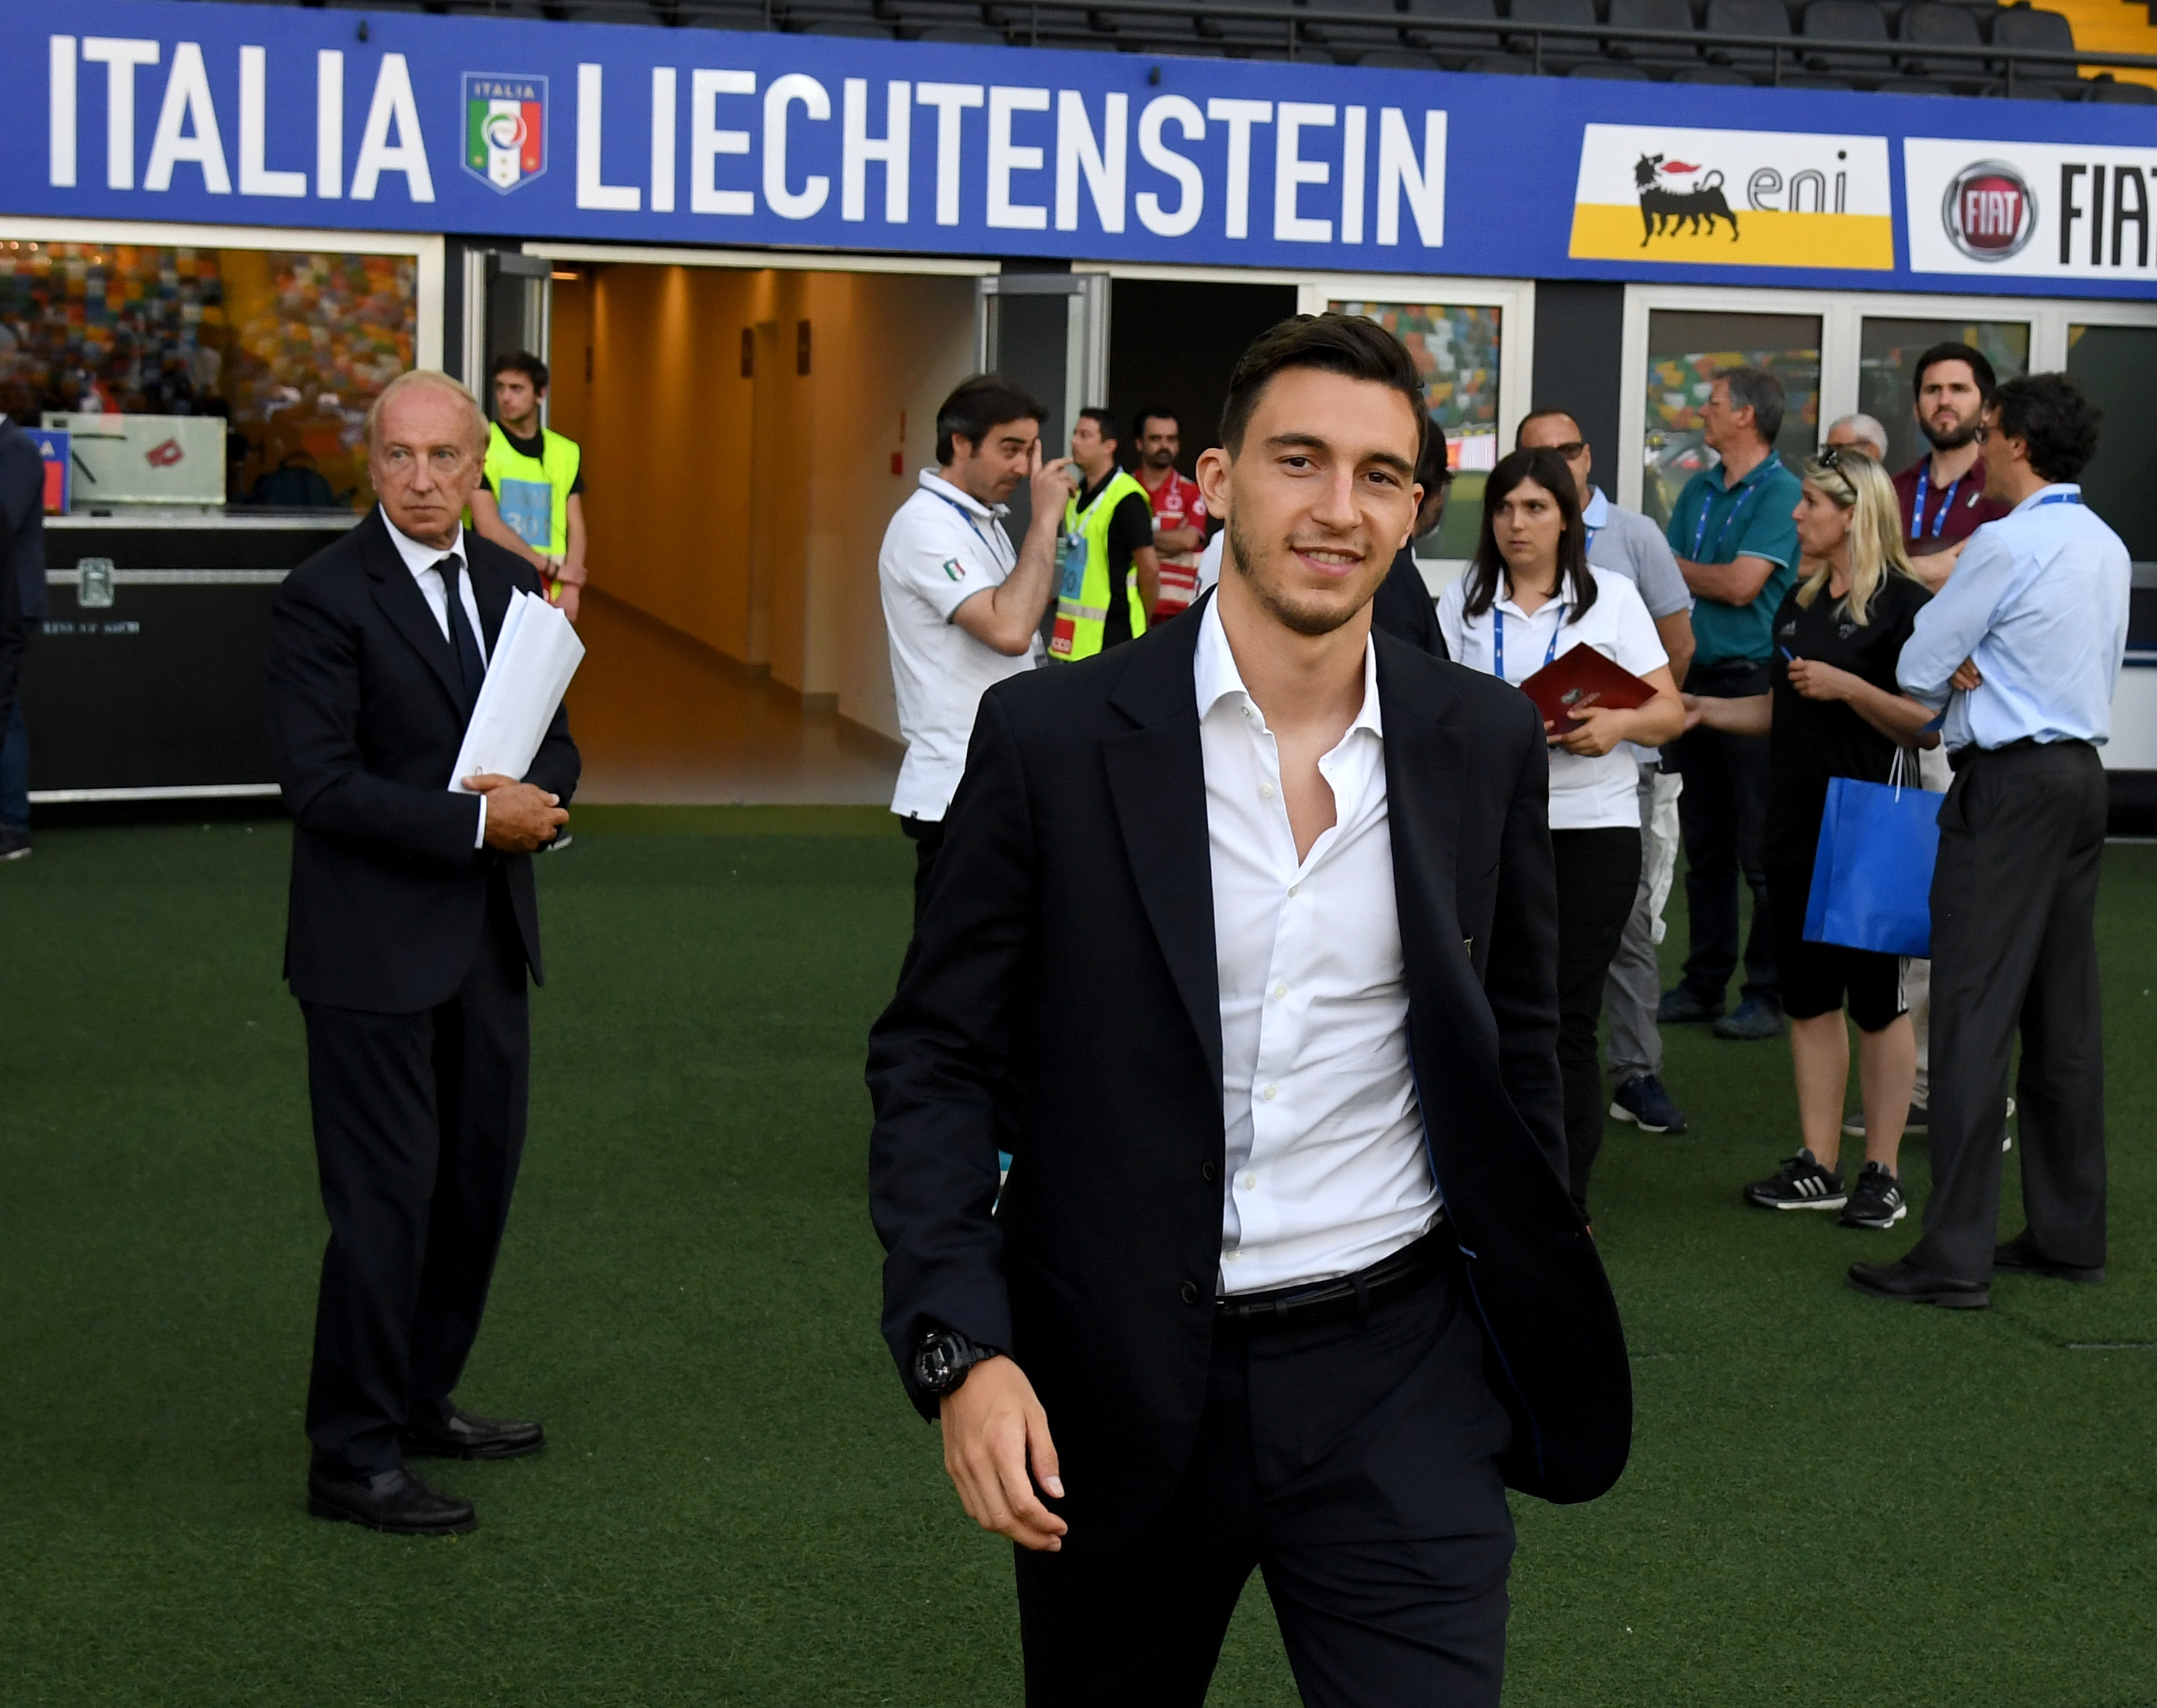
1642 1101
1799 1184
14 845
1756 1018
1877 1200
1683 1005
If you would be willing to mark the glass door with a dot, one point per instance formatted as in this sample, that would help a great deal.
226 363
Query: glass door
1685 349
1050 332
2117 367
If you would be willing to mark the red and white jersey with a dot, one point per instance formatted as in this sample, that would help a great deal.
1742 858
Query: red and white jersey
1176 503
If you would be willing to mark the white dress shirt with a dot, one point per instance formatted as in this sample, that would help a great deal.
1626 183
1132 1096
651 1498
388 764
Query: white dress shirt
2038 601
1328 1168
421 559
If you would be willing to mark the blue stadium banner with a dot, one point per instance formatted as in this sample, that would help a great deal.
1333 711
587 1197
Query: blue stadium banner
524 128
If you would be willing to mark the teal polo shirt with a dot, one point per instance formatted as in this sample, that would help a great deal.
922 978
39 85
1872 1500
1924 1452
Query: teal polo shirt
1715 524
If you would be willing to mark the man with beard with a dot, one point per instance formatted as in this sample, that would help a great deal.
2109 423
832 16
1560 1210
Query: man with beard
1246 932
1179 511
1943 494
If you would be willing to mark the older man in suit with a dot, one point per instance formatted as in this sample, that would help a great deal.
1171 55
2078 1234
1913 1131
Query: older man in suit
413 922
1249 930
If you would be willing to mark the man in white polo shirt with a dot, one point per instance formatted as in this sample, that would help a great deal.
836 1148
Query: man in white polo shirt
962 607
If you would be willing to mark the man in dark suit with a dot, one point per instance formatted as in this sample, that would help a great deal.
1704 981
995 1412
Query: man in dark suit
412 921
1247 932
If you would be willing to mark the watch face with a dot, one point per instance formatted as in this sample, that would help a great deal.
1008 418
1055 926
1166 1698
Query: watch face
932 1367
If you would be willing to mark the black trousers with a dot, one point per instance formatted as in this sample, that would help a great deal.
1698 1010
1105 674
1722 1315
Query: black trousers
419 1128
2014 946
926 835
1355 1465
1598 872
1721 817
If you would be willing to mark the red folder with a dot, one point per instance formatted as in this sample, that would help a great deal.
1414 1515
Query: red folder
1582 677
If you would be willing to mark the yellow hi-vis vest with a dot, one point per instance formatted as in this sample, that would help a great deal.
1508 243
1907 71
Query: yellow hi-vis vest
532 493
1082 585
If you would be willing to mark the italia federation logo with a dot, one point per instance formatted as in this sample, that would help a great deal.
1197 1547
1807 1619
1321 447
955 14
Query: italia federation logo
504 128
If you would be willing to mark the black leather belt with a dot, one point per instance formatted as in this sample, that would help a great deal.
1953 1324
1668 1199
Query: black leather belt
1340 1300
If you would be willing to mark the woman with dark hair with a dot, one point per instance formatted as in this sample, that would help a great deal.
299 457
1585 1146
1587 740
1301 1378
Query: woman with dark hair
1528 597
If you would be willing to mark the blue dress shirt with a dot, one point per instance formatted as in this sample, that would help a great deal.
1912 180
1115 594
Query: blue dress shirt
2039 602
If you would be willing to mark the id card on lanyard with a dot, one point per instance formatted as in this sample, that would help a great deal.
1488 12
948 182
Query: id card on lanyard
1722 533
1924 490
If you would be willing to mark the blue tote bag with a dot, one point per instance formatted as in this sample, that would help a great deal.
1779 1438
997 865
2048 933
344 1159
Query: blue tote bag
1872 877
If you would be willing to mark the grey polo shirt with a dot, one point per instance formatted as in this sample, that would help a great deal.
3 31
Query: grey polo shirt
1627 543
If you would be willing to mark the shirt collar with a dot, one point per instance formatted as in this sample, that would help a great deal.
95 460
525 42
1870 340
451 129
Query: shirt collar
931 481
1767 465
2043 493
1598 509
417 556
1215 675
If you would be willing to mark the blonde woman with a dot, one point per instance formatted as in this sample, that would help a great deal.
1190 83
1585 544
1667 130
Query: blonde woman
1835 711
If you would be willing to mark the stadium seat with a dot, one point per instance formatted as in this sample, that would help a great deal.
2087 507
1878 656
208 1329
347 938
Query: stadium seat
1297 55
1745 18
1499 65
2104 88
2023 26
1653 15
1452 45
1846 20
1056 26
858 29
1814 80
1911 85
1399 59
1554 12
1611 71
1338 32
1932 32
1720 75
1136 26
963 35
1248 32
1192 49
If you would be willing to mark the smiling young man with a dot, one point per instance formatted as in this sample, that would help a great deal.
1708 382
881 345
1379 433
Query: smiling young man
1214 911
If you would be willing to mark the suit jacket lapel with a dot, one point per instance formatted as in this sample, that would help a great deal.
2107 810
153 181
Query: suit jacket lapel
1156 775
401 601
1423 767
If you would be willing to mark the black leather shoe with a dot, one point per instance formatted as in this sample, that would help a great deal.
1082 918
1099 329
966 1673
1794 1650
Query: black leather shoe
1905 1281
1683 1005
2021 1256
395 1501
463 1436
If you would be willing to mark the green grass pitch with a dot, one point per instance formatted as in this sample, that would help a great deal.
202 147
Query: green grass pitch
1831 1500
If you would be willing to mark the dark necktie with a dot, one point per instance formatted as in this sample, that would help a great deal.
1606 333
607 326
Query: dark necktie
470 666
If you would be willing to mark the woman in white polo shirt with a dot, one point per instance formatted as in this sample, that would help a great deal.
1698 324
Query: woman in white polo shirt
1529 597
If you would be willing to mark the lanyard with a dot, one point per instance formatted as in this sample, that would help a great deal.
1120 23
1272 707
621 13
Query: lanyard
1947 503
1722 533
2057 498
973 527
1498 641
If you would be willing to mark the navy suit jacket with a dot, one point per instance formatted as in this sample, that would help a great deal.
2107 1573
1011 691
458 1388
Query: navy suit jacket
1062 989
366 716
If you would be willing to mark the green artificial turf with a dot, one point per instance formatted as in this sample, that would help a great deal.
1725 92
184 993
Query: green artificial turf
1831 1500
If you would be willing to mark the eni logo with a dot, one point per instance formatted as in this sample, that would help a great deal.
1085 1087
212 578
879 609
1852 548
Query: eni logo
505 129
1664 209
1989 211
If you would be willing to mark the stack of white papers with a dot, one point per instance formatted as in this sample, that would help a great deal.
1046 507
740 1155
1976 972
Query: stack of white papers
536 654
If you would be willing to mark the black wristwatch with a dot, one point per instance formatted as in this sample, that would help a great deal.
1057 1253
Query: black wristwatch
941 1362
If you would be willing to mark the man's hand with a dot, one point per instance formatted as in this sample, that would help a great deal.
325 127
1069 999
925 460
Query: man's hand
992 1426
520 817
1694 716
567 598
1050 484
1967 677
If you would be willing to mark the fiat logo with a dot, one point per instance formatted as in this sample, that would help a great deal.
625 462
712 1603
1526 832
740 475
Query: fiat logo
1988 211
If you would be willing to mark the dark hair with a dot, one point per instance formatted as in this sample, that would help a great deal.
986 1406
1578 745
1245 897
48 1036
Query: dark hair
1547 470
1346 344
1431 470
522 362
1757 389
1110 433
1980 370
1544 415
2052 415
983 401
1139 421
